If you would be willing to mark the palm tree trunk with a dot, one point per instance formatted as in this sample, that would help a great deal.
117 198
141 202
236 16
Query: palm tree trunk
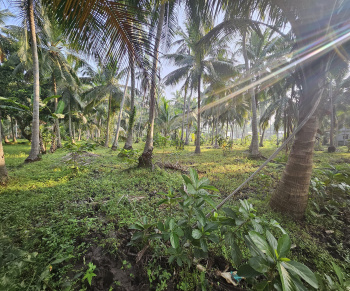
116 137
57 121
145 160
108 119
16 129
70 122
129 138
183 116
188 120
331 132
35 147
3 170
292 192
198 139
254 146
261 144
13 131
56 127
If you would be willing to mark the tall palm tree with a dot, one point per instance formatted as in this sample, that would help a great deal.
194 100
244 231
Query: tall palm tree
202 62
145 160
311 21
28 7
106 86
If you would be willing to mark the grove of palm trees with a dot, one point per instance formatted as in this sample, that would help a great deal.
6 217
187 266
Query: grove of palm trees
174 145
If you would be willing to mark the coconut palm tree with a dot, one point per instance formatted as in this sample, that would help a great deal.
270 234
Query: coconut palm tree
315 24
201 62
28 7
145 160
106 86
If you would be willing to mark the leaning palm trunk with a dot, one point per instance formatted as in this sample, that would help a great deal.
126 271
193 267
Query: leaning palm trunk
3 170
292 192
145 160
198 139
261 144
254 146
35 147
129 138
116 137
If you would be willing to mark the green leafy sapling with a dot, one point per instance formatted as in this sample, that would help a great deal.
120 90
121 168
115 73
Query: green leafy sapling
90 273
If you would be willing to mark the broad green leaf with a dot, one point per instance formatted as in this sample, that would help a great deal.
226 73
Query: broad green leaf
247 271
50 98
172 224
214 238
283 246
287 282
257 227
259 264
298 284
194 177
261 286
137 226
271 239
261 243
211 226
204 245
186 179
210 188
230 213
200 216
338 271
303 271
236 254
196 234
174 240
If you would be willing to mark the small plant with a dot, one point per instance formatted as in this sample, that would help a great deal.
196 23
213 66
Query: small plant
189 237
269 258
89 274
129 156
343 282
76 150
160 140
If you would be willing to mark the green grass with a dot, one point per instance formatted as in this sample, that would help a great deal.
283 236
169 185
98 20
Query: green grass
49 208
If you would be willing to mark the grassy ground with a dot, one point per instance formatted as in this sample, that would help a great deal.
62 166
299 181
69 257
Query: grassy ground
54 219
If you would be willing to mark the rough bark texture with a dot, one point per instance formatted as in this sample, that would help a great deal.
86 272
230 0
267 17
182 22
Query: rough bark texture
116 137
35 147
129 138
291 195
145 160
198 139
3 170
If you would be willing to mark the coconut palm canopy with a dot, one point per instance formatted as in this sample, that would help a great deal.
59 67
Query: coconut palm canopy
244 92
